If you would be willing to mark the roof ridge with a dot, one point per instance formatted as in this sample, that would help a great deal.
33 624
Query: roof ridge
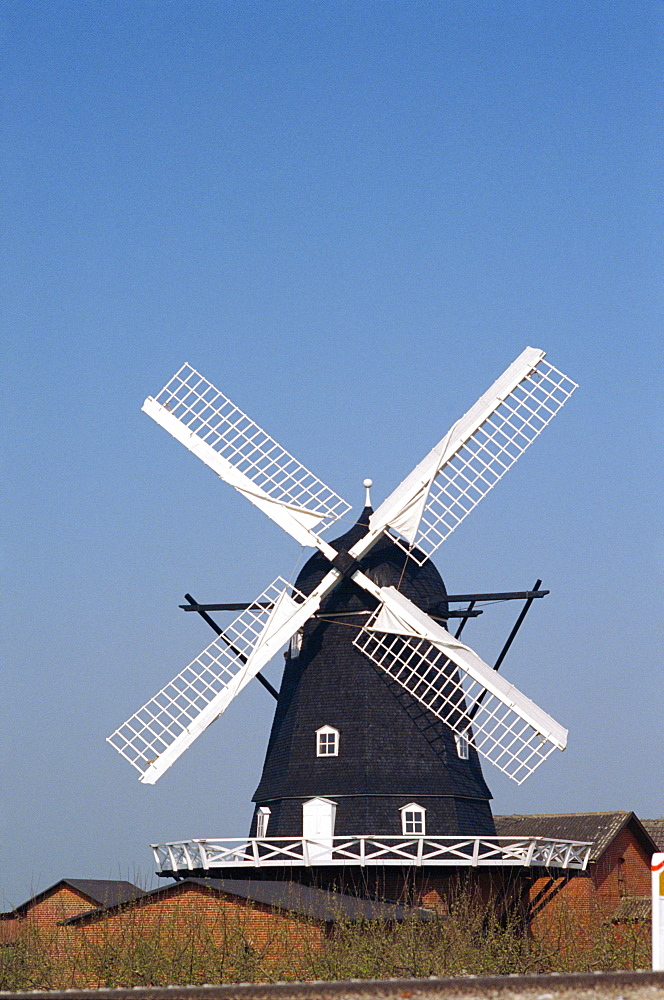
319 904
602 812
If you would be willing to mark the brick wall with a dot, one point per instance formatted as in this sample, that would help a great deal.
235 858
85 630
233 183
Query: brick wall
44 915
585 898
225 930
591 898
435 889
9 930
56 906
190 908
185 925
623 870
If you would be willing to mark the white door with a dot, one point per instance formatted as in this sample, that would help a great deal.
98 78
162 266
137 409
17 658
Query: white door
318 817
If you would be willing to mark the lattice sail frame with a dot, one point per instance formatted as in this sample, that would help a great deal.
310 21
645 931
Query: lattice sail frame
480 448
440 492
487 719
196 413
168 723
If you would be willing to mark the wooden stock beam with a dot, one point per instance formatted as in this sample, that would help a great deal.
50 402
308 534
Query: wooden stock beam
215 628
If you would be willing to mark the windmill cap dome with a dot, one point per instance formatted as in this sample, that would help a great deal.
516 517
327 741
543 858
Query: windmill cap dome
386 564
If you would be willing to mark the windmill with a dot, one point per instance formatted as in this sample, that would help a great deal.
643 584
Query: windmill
383 714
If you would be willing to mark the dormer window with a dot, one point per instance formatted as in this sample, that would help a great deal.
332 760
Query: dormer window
461 745
327 742
412 819
262 819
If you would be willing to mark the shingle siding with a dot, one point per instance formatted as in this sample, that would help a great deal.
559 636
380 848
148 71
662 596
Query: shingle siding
381 815
391 750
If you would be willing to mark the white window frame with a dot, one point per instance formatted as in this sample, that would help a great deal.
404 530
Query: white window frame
262 819
461 746
413 808
322 746
295 645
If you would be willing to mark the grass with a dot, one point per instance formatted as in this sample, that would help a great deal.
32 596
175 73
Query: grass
227 947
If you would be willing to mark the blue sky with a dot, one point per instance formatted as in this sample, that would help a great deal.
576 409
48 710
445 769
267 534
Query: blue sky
351 217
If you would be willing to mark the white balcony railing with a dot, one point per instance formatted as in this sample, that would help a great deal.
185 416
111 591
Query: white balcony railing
296 852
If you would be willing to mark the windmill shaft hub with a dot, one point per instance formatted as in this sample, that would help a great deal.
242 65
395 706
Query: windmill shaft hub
345 563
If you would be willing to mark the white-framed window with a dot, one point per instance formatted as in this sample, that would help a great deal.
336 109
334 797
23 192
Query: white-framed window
461 745
262 819
327 742
413 819
295 645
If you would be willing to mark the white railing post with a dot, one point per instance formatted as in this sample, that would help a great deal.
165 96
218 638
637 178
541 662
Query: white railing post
205 864
657 869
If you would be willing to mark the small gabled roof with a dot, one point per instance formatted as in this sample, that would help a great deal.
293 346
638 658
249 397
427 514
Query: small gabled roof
99 891
302 900
633 909
655 828
600 828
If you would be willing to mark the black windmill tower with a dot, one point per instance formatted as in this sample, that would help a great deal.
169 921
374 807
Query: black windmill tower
383 714
346 733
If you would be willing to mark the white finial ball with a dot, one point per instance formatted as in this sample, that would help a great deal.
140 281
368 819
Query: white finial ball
367 483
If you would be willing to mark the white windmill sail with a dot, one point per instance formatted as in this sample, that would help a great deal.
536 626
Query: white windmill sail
474 454
245 456
455 684
480 706
155 736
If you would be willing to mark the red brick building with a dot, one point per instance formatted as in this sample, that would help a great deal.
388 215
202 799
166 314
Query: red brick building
92 933
257 906
616 884
232 924
44 912
273 917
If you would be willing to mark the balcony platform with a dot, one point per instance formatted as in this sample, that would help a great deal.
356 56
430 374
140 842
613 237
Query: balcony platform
210 855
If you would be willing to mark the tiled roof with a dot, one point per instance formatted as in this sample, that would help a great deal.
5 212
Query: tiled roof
655 828
105 891
599 828
318 904
102 892
633 908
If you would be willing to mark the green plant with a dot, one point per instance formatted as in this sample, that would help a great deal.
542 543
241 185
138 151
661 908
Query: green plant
219 945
